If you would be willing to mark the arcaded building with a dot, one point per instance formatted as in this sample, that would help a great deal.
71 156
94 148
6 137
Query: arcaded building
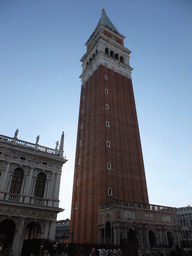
144 228
29 193
109 164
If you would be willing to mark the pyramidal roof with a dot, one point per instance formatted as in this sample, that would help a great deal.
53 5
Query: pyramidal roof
106 21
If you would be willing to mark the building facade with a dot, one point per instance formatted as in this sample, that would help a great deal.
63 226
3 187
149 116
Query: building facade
62 234
29 192
109 162
184 215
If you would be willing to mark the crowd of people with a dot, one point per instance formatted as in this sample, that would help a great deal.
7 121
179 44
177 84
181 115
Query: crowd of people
6 251
103 252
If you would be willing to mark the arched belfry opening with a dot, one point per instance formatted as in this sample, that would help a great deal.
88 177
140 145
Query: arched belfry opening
7 231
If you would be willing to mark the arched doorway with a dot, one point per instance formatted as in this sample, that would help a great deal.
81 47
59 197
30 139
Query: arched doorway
7 230
152 239
170 239
108 232
32 231
31 239
132 243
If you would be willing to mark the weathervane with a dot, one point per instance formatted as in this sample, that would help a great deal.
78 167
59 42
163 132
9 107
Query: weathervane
103 10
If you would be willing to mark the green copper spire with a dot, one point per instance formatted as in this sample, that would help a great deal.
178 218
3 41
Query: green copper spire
106 21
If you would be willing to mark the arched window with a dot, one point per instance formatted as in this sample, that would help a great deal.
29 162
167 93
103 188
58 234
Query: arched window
108 166
107 51
109 192
152 239
16 182
106 106
40 185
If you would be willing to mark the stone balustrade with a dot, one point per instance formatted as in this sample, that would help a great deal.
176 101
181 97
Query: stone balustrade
28 200
25 144
138 206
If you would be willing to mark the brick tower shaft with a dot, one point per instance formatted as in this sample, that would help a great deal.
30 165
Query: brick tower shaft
109 162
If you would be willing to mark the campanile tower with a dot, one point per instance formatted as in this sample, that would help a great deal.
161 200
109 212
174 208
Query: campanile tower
109 162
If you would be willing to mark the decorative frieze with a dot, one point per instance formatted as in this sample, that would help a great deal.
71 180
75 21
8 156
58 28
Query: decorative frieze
26 212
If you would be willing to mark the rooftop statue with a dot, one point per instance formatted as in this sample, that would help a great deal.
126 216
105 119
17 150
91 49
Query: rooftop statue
16 133
37 139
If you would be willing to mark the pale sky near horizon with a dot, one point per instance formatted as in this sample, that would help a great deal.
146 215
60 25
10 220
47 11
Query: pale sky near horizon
41 43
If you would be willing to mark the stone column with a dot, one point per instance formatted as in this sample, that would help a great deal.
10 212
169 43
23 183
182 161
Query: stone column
46 190
28 187
56 192
18 239
52 230
100 236
166 238
146 238
29 183
57 186
125 233
5 178
178 239
140 238
45 234
115 235
50 192
118 236
160 237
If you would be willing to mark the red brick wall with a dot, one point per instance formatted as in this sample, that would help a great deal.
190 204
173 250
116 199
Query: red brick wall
108 34
126 177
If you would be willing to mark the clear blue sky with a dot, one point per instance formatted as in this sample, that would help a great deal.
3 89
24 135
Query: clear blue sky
41 43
